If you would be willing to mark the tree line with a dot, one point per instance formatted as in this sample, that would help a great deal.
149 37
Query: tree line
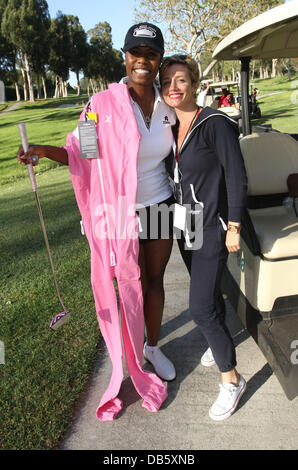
36 50
195 27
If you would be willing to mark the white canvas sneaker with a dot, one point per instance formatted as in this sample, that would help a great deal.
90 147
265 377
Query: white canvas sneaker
207 359
227 400
162 365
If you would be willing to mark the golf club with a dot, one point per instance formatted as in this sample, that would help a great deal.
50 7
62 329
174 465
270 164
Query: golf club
63 316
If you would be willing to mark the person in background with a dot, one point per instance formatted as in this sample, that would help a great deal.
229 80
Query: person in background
253 100
202 97
223 98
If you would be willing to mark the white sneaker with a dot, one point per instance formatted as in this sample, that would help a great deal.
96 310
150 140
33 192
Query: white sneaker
162 365
207 359
227 400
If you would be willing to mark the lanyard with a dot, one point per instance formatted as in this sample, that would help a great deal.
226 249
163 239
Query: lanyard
176 171
88 108
187 133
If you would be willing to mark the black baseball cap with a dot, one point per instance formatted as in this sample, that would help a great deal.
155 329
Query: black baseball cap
144 34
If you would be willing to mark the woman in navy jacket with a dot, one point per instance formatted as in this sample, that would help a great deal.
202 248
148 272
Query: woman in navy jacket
209 178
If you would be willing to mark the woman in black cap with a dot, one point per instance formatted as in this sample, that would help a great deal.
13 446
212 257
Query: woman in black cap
144 49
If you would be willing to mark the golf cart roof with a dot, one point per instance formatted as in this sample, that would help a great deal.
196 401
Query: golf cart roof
270 35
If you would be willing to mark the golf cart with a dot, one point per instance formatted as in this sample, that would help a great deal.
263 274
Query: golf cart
214 93
261 280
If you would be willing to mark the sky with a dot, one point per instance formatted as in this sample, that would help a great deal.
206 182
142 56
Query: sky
118 13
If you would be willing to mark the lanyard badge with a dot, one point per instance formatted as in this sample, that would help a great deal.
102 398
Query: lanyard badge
179 217
88 136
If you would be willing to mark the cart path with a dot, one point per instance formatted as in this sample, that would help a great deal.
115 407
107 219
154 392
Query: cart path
265 418
13 107
270 94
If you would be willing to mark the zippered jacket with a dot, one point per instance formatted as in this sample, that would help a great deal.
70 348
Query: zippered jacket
211 167
105 191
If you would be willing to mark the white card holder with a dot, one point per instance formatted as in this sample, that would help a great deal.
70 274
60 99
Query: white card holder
179 217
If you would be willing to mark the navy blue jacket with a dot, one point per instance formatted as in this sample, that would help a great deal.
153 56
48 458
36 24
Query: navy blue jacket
210 160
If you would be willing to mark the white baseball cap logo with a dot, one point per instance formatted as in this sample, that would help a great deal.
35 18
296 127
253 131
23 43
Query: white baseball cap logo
144 32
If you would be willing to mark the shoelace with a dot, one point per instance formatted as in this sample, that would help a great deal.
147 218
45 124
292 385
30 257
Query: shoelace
226 395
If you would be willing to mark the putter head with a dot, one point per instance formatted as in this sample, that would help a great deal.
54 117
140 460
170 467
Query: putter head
60 319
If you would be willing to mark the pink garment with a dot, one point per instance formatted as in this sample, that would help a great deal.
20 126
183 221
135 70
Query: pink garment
118 139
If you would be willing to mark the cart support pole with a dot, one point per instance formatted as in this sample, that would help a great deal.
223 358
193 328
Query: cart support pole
246 127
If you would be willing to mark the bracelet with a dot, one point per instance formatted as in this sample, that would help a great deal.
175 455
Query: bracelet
234 228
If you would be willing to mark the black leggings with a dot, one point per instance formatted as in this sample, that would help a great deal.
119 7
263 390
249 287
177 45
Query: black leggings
206 303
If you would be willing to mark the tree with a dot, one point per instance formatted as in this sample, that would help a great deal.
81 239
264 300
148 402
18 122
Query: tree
116 66
40 57
104 64
60 52
79 47
24 24
7 53
195 26
288 66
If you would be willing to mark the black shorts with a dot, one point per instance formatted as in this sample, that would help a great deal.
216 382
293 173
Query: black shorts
156 221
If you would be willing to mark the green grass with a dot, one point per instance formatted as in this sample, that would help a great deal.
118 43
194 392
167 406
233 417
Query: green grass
270 85
278 110
46 124
45 371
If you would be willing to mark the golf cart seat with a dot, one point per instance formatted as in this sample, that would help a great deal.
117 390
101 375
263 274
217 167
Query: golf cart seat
232 112
277 231
261 279
269 159
210 100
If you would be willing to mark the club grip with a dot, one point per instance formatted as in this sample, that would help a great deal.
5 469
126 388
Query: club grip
24 139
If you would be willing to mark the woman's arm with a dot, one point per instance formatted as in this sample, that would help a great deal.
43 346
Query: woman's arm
57 154
227 147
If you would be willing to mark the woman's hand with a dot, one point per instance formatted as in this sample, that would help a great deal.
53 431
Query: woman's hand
28 157
232 241
57 154
233 237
